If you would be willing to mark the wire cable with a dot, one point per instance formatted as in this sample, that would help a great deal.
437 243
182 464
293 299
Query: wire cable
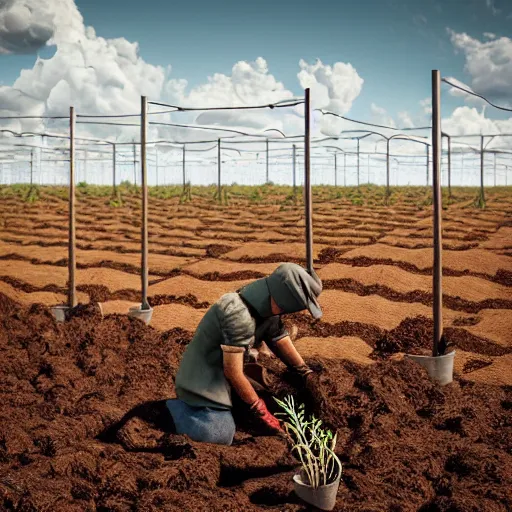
34 117
446 81
279 104
324 112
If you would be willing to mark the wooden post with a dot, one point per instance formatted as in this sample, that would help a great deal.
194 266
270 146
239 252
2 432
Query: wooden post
294 155
267 164
114 169
482 193
387 169
437 198
134 164
219 164
184 167
307 185
428 158
72 225
144 183
156 164
494 169
368 165
32 167
85 165
344 169
335 169
358 163
449 166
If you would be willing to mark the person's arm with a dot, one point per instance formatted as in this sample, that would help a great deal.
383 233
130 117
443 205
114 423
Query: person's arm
233 360
279 341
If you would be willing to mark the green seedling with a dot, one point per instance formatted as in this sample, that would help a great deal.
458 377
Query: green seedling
313 444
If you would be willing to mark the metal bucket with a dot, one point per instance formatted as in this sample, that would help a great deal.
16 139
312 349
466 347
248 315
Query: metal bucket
324 497
141 314
59 312
439 368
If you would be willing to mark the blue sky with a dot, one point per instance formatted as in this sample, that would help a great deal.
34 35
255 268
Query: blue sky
393 44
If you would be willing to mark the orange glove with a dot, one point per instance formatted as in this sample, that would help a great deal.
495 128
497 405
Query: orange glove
259 409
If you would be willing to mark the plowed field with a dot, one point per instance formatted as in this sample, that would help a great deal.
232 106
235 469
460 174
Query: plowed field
406 444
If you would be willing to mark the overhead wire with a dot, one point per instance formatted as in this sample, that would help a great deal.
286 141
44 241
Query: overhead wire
280 104
472 93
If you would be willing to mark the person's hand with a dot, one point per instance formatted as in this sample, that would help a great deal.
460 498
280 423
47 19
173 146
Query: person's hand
259 409
304 372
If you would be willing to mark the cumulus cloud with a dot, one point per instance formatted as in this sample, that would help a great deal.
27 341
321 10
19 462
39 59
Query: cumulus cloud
250 83
489 64
333 88
25 25
95 75
108 76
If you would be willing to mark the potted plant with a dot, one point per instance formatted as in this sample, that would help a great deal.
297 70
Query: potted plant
319 478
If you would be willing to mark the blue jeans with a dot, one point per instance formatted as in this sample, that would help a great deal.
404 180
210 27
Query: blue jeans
202 424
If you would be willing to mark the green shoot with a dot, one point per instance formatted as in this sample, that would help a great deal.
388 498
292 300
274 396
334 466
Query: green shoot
313 444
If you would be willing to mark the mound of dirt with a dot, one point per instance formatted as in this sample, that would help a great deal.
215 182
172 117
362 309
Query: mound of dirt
70 439
414 336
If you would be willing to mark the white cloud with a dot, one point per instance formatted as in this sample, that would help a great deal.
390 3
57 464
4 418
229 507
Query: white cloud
380 116
333 88
488 63
108 76
25 25
426 105
405 119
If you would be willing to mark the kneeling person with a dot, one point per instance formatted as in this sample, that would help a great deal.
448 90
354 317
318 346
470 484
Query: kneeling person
213 362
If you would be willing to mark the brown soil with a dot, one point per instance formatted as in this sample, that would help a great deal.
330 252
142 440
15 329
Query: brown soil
405 443
469 288
453 303
473 260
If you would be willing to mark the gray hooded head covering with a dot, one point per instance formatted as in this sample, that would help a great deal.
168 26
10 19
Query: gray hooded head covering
292 288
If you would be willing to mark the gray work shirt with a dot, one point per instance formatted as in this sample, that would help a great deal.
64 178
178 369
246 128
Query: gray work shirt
200 381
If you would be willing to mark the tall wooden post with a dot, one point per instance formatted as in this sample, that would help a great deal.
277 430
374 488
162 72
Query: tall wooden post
134 164
437 198
358 163
344 169
184 166
335 169
482 193
86 154
494 169
267 180
387 169
156 164
368 166
449 166
144 182
428 158
307 184
32 167
114 186
72 225
219 164
294 166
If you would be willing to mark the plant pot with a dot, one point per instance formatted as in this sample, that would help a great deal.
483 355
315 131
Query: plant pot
141 314
59 312
439 368
323 498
